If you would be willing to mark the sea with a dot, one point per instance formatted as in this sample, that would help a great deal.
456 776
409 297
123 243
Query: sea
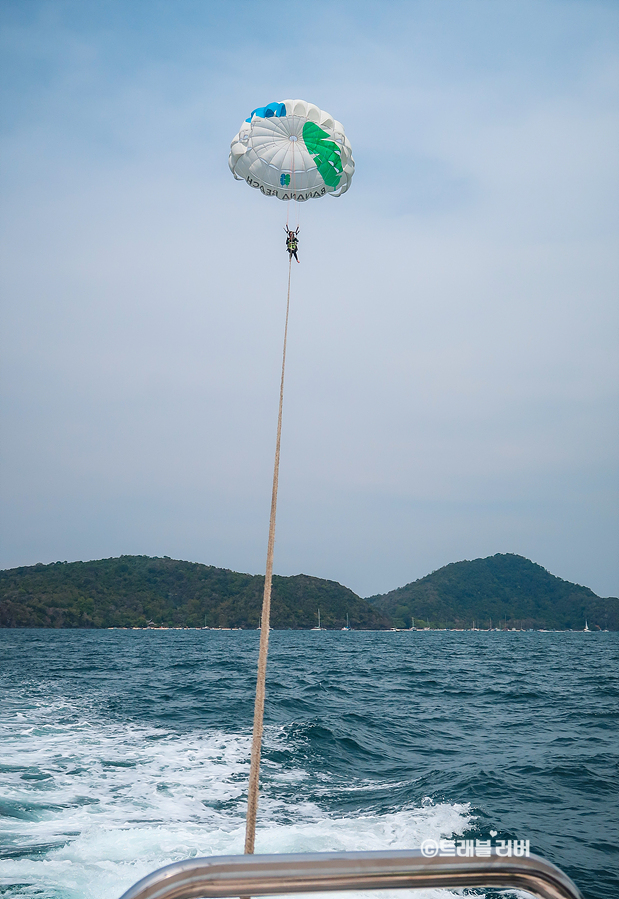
124 750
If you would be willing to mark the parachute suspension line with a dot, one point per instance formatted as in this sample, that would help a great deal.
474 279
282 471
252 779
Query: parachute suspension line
288 202
256 746
294 182
293 189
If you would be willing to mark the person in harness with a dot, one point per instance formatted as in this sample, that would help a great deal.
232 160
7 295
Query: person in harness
292 244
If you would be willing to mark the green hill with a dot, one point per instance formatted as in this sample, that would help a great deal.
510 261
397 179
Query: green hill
505 589
133 591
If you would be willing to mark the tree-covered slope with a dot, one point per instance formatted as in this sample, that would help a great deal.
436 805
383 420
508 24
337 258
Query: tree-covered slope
133 591
504 588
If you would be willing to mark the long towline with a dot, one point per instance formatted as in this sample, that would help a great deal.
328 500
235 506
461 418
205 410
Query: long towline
265 622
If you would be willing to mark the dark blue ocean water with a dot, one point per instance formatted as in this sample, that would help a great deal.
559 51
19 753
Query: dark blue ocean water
125 750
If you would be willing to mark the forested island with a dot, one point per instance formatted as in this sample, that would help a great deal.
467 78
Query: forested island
139 591
505 591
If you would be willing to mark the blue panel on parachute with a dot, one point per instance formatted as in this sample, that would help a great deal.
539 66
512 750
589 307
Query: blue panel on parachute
267 112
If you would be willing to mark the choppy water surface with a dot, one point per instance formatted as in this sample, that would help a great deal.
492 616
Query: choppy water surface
125 750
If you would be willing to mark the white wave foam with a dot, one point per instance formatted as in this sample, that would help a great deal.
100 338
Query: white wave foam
118 802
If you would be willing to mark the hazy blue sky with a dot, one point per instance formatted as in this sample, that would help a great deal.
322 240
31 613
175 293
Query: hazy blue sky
452 381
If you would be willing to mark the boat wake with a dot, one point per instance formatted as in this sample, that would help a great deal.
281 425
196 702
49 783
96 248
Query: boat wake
90 805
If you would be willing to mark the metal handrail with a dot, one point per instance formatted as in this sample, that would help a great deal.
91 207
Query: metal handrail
270 875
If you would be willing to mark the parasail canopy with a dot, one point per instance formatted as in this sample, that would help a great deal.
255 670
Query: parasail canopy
294 151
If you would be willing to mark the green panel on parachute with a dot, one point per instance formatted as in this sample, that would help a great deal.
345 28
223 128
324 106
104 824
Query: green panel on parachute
327 155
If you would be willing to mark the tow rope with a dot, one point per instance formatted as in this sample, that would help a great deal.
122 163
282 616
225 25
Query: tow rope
265 622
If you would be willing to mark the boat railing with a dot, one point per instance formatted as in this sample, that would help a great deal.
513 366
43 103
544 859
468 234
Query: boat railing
219 877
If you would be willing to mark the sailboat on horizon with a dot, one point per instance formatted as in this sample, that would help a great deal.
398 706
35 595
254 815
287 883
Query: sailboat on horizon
348 627
319 628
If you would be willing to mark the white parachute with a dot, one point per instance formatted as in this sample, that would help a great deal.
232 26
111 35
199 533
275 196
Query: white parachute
294 151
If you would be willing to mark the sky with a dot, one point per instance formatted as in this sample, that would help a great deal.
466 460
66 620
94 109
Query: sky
452 375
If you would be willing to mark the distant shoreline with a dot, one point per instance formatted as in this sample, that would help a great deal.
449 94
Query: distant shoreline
504 592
